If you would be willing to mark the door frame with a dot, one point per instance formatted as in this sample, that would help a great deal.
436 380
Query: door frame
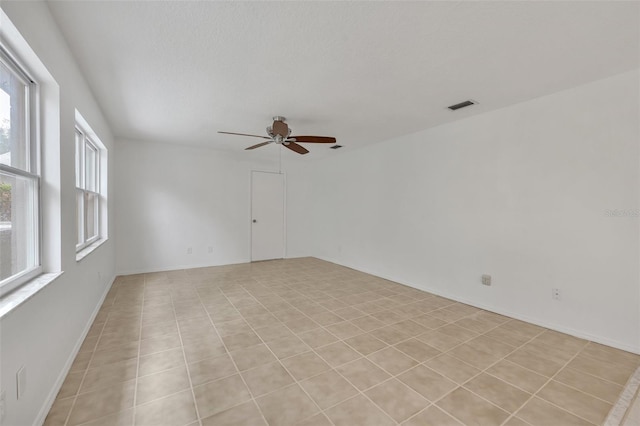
284 211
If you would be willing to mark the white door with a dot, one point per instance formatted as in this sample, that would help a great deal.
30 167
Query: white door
267 216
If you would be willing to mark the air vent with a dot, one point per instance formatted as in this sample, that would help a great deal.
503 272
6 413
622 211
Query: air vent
336 147
462 105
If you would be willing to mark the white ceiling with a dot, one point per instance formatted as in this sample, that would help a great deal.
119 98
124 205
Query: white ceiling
176 71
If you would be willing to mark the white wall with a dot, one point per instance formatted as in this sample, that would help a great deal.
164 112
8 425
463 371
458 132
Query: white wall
42 334
172 197
519 193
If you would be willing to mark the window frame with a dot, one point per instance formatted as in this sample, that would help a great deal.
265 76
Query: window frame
80 169
32 137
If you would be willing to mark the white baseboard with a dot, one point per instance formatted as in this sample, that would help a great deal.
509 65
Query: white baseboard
42 415
165 268
537 321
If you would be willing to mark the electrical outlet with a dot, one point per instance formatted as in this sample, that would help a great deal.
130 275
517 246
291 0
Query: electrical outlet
21 381
486 279
210 249
3 403
555 293
189 250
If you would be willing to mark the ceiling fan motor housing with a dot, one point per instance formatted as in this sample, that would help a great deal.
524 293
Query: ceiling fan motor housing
280 127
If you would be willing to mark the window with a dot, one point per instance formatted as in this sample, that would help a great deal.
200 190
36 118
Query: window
88 199
19 176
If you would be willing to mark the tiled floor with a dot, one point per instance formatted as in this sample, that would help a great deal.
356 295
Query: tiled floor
306 342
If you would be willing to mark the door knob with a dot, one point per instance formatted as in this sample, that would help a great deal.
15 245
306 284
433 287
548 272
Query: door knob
255 221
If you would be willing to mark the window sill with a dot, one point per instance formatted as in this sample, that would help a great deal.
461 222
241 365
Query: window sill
89 249
25 292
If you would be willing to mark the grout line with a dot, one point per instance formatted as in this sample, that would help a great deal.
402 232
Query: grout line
504 358
86 370
314 296
471 338
135 388
583 391
228 354
535 394
586 373
184 356
481 371
392 376
361 392
296 381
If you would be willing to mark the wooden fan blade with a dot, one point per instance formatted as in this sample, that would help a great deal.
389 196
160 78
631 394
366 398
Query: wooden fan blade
244 134
297 148
280 128
314 139
258 145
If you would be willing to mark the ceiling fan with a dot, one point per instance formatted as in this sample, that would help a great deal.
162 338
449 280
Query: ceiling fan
280 133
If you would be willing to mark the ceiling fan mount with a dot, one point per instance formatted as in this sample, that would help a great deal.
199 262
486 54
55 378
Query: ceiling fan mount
280 133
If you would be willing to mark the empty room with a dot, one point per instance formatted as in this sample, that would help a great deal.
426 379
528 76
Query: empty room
319 213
